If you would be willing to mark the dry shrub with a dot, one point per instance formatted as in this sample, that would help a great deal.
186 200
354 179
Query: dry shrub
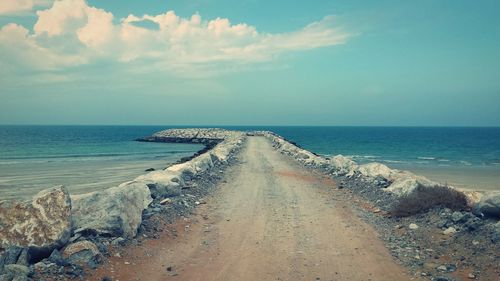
424 198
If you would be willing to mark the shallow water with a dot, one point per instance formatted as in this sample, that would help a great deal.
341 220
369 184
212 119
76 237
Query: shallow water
461 156
83 158
88 158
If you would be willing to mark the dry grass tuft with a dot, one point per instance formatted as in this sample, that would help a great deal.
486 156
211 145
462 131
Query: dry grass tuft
427 197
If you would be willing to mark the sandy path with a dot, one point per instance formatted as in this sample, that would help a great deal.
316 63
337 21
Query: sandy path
271 220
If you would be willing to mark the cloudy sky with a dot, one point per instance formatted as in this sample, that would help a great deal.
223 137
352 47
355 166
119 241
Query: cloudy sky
250 62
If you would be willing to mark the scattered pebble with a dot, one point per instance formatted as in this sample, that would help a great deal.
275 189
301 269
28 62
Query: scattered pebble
165 201
413 226
442 268
450 230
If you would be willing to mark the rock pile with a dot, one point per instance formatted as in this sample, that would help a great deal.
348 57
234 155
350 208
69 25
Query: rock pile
194 135
401 184
32 233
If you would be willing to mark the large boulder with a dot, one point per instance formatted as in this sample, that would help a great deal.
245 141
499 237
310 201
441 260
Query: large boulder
342 165
116 211
375 169
220 153
163 183
406 183
186 170
489 204
203 162
41 225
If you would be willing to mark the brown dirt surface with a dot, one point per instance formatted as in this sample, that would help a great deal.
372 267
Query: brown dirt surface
269 220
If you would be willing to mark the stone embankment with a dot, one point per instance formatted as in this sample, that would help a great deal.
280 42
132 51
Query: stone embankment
435 230
61 233
402 185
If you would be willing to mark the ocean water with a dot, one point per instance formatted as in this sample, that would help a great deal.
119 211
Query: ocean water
465 157
87 158
83 158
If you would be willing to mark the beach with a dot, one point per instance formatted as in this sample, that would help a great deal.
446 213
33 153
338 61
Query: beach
90 158
467 178
397 224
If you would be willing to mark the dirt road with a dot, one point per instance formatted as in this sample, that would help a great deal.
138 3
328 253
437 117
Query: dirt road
270 220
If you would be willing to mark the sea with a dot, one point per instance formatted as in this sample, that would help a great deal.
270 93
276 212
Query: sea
89 158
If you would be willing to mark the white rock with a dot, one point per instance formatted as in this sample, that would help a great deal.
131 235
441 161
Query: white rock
413 226
374 170
165 201
449 231
185 170
489 204
116 211
442 268
343 165
164 183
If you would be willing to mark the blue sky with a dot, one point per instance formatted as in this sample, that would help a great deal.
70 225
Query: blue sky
425 63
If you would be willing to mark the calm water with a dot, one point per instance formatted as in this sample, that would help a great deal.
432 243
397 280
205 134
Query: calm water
83 158
86 158
463 157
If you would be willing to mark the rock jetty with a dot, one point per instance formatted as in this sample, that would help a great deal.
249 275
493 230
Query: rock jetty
34 234
58 233
403 185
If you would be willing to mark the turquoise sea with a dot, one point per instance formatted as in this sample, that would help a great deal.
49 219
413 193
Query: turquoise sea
87 158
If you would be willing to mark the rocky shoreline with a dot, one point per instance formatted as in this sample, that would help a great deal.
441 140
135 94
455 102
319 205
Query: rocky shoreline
58 235
437 231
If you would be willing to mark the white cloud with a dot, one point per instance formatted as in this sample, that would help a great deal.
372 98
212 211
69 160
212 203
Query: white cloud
71 33
16 7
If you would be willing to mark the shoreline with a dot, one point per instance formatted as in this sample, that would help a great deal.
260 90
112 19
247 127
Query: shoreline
175 191
474 178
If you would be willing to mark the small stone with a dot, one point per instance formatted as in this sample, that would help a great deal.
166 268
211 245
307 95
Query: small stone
126 262
451 268
442 268
474 242
83 253
165 201
471 276
442 223
169 269
413 226
449 231
149 170
118 241
457 217
377 210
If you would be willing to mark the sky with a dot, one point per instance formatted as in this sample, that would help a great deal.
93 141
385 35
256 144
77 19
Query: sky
250 62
